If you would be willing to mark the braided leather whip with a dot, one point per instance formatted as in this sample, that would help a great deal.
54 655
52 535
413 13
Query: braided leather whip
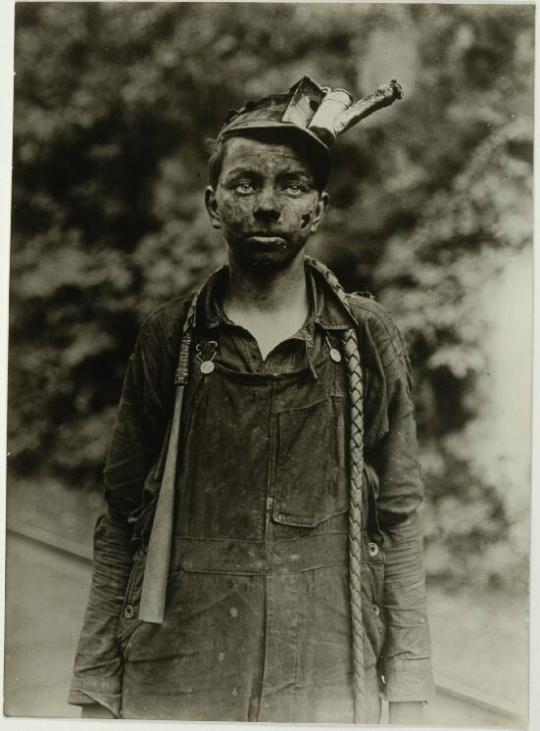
356 464
356 461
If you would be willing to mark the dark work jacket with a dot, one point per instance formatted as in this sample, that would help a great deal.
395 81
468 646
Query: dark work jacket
287 487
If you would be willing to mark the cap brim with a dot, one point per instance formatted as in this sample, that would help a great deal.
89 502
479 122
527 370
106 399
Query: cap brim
285 127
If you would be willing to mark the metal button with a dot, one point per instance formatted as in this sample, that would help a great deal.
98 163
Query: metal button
129 612
376 610
335 355
373 549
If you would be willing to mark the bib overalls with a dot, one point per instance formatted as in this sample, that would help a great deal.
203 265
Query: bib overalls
257 625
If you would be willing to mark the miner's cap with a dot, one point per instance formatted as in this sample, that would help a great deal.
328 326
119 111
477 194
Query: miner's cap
314 113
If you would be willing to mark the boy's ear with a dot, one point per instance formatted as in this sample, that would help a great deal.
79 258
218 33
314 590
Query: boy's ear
320 211
212 207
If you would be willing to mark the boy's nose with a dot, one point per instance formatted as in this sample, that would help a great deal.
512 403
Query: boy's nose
267 208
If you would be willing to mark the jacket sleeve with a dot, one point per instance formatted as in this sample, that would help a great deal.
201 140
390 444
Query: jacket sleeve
138 429
405 663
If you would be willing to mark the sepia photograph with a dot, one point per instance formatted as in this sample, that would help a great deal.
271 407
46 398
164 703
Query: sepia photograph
270 363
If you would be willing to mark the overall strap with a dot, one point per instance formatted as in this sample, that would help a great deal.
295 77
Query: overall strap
356 464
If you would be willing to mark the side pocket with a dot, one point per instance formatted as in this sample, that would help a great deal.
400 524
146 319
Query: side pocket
129 620
371 492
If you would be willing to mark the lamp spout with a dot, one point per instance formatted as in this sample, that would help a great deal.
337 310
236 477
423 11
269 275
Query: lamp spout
384 96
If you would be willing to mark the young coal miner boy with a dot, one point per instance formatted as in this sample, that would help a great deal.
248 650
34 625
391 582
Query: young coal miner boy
260 558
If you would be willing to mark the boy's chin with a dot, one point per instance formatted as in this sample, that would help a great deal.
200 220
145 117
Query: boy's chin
264 260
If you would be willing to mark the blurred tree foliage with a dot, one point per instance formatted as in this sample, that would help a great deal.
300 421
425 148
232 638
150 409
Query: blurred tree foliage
113 105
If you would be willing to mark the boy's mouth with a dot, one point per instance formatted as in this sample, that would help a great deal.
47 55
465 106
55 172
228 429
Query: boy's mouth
267 241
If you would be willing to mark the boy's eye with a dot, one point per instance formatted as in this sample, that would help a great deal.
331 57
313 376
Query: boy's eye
295 188
244 188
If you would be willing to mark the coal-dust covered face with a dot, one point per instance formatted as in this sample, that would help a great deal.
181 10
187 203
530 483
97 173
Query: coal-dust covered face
265 202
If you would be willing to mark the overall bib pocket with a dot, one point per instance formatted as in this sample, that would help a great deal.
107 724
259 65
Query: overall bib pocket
310 469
